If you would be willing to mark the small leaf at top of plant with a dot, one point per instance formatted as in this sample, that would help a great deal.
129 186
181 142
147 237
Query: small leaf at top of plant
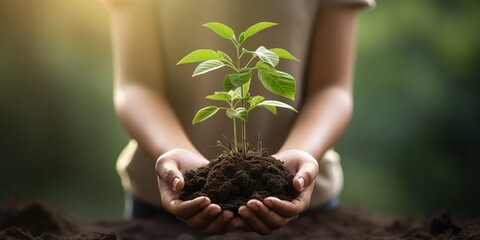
225 57
220 96
283 53
267 56
200 56
256 28
207 66
274 103
277 82
204 114
241 38
221 29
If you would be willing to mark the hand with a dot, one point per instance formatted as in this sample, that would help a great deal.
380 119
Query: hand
198 213
272 213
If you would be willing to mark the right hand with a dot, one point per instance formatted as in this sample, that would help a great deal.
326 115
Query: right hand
198 213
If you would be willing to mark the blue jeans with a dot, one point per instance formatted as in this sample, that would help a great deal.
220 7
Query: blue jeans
138 209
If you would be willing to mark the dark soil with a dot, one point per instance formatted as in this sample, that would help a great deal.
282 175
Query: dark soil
28 221
231 180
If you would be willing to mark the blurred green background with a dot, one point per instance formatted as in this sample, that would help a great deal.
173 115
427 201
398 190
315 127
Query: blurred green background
411 147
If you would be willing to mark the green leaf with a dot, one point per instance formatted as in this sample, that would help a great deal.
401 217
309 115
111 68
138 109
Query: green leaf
241 38
267 56
231 113
232 94
283 53
200 56
240 78
272 109
237 93
273 103
227 84
240 113
207 66
256 28
246 88
225 57
220 96
221 29
204 113
255 100
277 82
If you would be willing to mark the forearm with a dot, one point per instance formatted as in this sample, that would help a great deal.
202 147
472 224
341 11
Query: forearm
139 85
328 105
149 119
321 121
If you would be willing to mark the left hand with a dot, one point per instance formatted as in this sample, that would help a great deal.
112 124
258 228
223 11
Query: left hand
272 213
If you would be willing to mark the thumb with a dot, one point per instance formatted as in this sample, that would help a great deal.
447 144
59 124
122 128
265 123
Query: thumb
305 176
168 172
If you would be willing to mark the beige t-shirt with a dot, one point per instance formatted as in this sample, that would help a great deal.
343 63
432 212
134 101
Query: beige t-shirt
181 32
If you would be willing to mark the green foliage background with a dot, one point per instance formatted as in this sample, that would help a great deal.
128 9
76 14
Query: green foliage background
411 147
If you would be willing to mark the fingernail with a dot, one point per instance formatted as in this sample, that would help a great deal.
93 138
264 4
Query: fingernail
268 203
302 182
214 212
253 206
227 216
175 182
205 202
245 214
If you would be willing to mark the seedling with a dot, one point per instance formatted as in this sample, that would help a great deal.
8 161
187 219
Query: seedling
236 85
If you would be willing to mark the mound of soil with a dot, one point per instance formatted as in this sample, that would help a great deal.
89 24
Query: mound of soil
231 180
37 221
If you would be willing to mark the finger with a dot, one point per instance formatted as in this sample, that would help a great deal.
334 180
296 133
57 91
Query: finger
203 217
306 173
253 221
219 224
269 217
239 223
285 208
167 170
186 209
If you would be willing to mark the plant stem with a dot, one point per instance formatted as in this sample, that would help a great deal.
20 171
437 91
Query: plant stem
244 131
238 58
235 134
244 137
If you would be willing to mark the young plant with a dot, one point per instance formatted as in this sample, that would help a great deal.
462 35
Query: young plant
236 85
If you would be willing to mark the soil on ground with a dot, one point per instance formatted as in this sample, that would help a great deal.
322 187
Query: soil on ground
232 179
38 221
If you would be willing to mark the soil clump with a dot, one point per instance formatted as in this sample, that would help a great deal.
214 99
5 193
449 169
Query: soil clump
232 179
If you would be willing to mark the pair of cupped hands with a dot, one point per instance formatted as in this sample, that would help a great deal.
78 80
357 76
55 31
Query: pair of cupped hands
262 217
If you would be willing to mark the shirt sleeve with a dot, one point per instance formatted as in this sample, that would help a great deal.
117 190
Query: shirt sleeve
360 3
